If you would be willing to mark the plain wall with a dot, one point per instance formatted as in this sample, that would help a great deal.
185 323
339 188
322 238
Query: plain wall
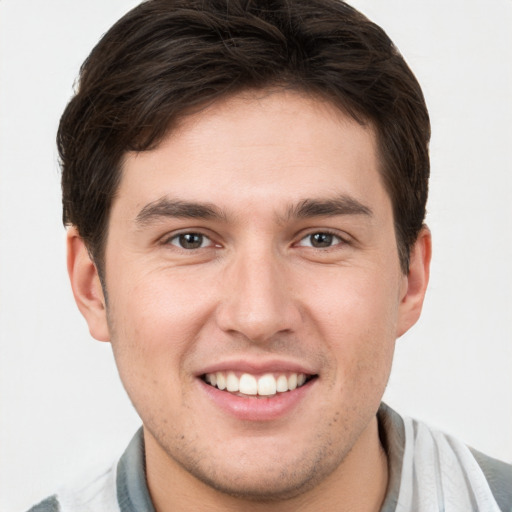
62 406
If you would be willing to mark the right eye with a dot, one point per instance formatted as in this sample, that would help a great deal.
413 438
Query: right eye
190 241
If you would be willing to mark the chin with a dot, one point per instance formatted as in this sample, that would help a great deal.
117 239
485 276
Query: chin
259 486
267 477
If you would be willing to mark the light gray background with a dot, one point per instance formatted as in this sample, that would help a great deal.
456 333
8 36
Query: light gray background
62 406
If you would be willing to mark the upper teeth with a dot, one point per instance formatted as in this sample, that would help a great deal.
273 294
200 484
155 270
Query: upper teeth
248 384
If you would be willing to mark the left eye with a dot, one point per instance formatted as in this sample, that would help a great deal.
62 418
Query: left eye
190 241
320 240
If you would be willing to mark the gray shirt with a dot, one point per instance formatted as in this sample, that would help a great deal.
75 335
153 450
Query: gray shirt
133 495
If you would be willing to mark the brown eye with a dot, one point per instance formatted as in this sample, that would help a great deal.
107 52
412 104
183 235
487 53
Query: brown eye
320 240
190 241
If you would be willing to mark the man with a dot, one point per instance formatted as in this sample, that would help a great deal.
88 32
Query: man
245 185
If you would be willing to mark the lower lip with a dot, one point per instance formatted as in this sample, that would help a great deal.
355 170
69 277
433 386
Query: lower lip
257 409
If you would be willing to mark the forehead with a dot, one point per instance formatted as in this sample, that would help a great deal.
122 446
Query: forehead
273 148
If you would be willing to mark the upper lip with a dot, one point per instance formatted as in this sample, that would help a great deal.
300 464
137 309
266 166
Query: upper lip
257 367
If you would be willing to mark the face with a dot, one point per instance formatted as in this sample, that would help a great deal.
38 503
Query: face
254 251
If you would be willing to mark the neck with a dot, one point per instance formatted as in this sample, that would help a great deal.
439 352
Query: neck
359 484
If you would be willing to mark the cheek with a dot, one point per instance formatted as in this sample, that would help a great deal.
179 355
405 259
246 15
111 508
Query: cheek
154 324
158 308
354 304
356 316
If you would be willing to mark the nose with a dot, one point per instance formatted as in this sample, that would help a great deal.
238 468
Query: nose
258 302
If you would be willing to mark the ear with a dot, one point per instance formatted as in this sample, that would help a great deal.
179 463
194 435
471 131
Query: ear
86 286
416 282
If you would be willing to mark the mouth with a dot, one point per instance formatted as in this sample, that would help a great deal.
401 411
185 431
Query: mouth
256 386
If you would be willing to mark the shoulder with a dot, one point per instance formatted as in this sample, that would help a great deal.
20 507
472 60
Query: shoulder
487 481
499 478
50 504
427 464
109 488
91 491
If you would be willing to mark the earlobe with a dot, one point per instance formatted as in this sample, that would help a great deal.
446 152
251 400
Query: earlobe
86 286
416 282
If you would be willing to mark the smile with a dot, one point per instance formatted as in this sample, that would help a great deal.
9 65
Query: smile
266 385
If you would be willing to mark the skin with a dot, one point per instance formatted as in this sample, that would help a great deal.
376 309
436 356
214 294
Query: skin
255 291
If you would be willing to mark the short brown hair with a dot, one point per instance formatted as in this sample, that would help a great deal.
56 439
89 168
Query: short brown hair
166 57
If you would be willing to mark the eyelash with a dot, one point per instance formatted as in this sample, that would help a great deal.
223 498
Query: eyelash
333 236
180 237
179 240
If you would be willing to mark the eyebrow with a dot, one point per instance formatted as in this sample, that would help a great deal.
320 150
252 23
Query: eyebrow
166 207
340 205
